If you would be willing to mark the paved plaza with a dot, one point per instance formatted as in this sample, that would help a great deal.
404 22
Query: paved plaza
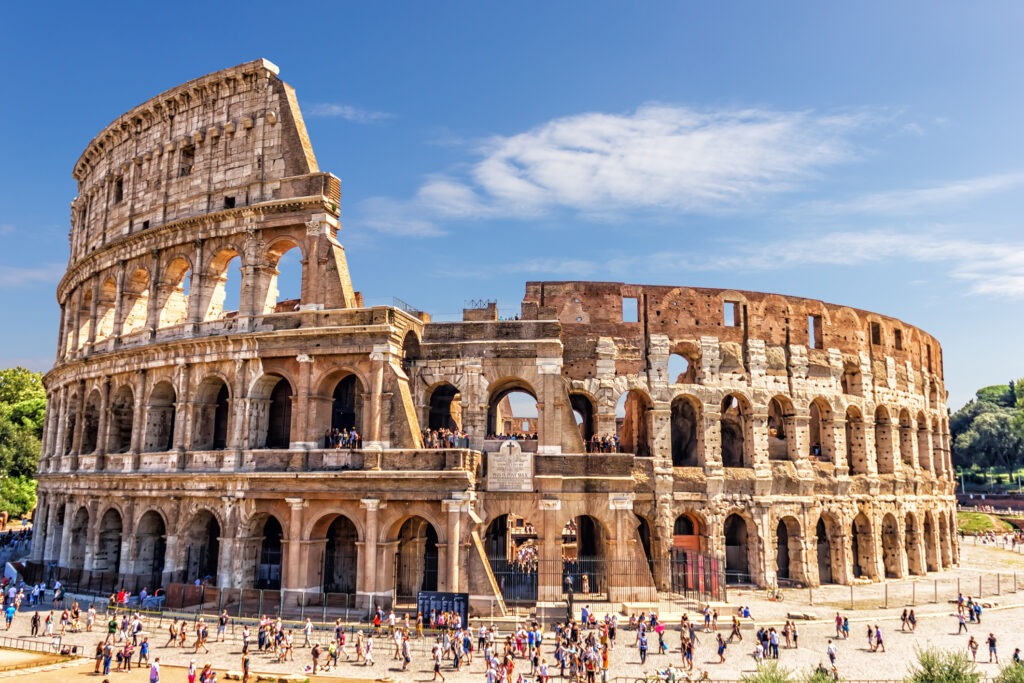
937 627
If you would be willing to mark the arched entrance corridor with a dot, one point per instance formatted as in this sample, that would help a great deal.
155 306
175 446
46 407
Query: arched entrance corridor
892 549
912 541
862 546
107 559
740 549
512 550
583 555
685 432
268 572
789 551
823 546
340 566
445 408
202 548
631 418
150 549
416 559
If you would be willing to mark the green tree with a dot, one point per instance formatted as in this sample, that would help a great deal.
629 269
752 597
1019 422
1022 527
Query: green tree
18 384
992 440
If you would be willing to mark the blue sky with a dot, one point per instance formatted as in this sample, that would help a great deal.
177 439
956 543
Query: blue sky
863 153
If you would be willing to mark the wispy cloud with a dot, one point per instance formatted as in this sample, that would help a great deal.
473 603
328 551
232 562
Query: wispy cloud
656 158
17 276
6 229
920 200
348 113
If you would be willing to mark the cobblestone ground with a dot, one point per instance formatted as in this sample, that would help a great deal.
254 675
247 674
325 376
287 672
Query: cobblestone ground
937 626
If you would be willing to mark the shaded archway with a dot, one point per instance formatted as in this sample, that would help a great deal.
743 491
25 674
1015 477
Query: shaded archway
583 412
279 415
150 548
91 427
945 552
160 418
79 537
210 414
340 567
687 533
202 547
268 572
107 557
826 551
445 408
416 559
70 424
643 530
862 546
924 452
685 432
740 549
820 427
631 418
121 420
281 279
892 549
789 550
856 447
780 415
931 543
221 286
737 444
906 439
583 554
512 548
347 404
884 458
912 541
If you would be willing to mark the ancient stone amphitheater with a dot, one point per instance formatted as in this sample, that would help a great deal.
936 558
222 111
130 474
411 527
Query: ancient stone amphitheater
749 437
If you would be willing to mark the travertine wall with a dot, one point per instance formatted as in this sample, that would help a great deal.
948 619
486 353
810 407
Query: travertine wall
179 430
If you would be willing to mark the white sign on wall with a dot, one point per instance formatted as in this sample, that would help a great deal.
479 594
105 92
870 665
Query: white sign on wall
510 469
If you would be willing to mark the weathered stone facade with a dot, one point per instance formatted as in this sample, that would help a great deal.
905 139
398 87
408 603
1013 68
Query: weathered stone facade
797 438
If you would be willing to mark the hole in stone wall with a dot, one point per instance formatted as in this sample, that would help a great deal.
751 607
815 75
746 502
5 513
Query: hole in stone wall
630 309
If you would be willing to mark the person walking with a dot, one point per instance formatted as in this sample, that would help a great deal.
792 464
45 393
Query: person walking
991 640
963 623
912 620
642 645
879 641
831 652
721 649
154 671
972 647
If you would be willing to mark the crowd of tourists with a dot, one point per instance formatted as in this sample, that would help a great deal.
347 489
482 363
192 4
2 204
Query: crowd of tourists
607 443
445 438
342 438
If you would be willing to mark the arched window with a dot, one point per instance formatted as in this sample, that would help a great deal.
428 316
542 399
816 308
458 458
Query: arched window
512 412
268 573
735 424
685 432
91 428
136 302
221 287
583 414
121 421
279 418
105 308
347 404
445 408
211 412
632 420
883 441
160 418
779 414
174 294
283 280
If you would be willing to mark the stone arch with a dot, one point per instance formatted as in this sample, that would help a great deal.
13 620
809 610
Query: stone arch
174 293
150 547
686 431
862 548
268 571
790 562
736 429
91 426
584 551
344 390
120 420
931 547
136 302
683 362
416 557
340 564
892 549
218 287
632 412
906 439
689 532
211 413
741 550
512 548
885 459
856 444
924 455
279 259
500 413
106 306
200 538
444 407
272 411
821 438
410 350
160 418
79 538
945 552
913 545
70 423
828 548
584 414
107 556
779 422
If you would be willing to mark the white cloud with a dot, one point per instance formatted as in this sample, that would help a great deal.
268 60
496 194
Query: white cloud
16 276
348 113
905 202
6 229
657 158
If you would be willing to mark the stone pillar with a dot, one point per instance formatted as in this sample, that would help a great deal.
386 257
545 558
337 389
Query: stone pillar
303 436
93 305
41 526
368 570
755 442
182 409
292 579
659 426
551 401
374 429
57 447
115 334
139 411
549 588
65 540
197 290
50 545
103 432
76 444
239 423
454 507
62 332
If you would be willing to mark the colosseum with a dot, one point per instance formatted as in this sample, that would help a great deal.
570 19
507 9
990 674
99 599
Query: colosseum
680 439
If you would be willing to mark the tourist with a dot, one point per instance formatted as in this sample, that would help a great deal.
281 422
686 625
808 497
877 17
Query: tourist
222 626
991 640
721 649
642 645
831 652
912 620
972 647
154 671
962 623
879 642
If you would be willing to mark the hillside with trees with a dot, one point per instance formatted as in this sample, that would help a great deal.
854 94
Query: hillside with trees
22 416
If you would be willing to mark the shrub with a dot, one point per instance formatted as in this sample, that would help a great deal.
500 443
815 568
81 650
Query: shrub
1011 673
769 672
939 666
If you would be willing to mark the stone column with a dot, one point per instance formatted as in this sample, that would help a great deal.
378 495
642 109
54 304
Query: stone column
103 431
57 447
41 526
550 404
454 507
197 287
93 305
303 436
549 588
368 570
65 541
292 579
115 334
379 359
76 444
182 417
49 552
139 411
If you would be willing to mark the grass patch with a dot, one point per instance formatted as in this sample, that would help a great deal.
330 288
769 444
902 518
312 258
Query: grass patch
979 522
